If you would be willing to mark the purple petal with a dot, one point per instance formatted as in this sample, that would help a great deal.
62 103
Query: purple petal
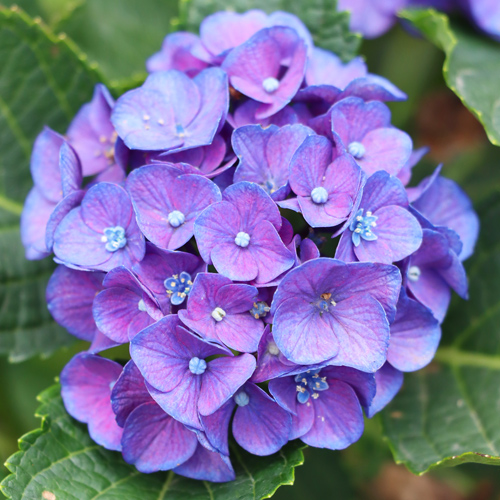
363 383
128 393
261 427
224 376
176 54
415 336
432 291
69 296
34 218
147 430
302 334
284 390
208 466
352 119
45 164
92 134
215 226
86 391
213 87
269 253
253 204
148 118
444 203
62 209
371 18
225 30
404 174
389 381
338 418
386 149
382 189
362 331
374 88
309 164
216 426
181 401
326 68
118 315
71 169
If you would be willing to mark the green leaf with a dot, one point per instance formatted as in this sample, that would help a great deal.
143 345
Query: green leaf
329 28
43 80
471 68
60 458
448 412
120 34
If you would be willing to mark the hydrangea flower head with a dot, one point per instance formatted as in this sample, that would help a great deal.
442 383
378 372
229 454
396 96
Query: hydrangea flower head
250 328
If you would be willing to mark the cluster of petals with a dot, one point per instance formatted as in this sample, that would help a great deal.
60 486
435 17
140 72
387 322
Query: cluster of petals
188 221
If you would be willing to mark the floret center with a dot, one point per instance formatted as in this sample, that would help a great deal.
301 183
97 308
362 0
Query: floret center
241 398
310 384
242 239
218 314
319 195
115 238
197 366
362 227
414 273
356 149
178 287
259 309
270 85
176 218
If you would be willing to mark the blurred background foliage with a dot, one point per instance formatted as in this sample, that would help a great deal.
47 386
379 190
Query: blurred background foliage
118 35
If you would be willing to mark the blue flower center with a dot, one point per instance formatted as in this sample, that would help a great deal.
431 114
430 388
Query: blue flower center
361 227
115 238
242 239
197 366
179 130
324 302
270 85
178 287
319 195
176 218
259 309
414 273
269 186
356 149
241 398
310 384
